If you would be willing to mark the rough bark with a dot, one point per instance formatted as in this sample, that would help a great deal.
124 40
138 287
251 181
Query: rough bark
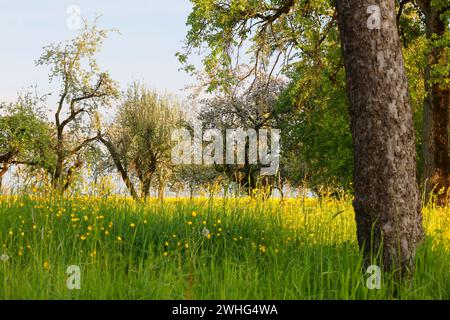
387 202
436 116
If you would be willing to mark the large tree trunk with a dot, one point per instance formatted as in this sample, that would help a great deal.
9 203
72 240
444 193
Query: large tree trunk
436 115
387 202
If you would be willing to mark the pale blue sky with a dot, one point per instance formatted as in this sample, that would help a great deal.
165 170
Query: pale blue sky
151 33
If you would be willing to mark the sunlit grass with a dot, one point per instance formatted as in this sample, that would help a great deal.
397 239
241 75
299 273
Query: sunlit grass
201 249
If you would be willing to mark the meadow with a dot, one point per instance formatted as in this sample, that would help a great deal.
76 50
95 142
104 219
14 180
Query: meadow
206 248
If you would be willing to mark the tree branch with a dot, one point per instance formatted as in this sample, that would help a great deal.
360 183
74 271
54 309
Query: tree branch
84 144
400 9
123 172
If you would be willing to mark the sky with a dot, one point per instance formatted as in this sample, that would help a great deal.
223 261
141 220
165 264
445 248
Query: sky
152 32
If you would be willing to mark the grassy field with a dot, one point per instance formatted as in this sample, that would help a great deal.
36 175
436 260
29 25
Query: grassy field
201 249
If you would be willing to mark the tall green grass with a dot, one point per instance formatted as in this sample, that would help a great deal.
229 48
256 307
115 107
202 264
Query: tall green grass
299 249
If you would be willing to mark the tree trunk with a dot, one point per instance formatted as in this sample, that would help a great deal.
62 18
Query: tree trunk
145 189
191 192
123 173
387 202
161 187
5 161
57 175
161 184
77 165
435 116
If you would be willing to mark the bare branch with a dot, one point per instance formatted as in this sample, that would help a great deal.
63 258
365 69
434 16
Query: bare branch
85 143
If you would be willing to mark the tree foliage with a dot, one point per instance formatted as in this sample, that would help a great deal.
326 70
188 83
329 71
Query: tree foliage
139 140
84 89
25 136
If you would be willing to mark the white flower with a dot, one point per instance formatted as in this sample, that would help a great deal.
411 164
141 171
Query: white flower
4 257
205 232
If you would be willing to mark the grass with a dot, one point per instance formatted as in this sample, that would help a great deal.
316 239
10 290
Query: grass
299 249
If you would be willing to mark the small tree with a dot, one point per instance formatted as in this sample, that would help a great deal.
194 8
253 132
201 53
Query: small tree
194 177
250 105
139 141
83 90
24 135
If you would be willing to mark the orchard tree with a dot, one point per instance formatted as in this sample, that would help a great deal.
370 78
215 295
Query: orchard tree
139 141
317 142
250 105
84 89
194 177
387 203
25 136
